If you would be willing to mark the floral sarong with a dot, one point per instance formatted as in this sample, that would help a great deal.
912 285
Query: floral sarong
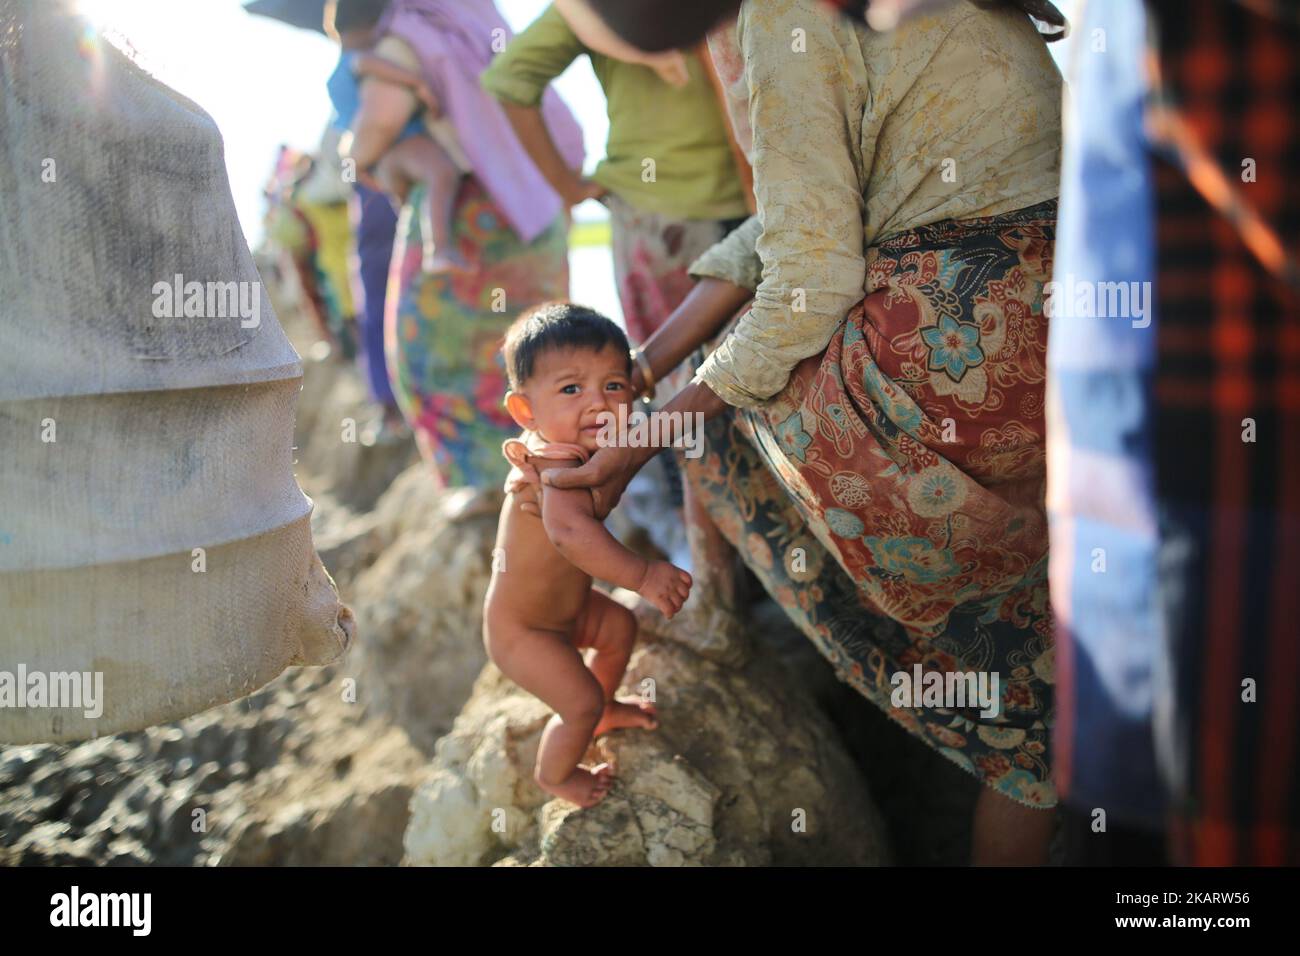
443 331
891 497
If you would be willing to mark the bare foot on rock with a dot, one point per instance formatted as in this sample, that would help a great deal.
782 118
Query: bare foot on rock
627 713
584 787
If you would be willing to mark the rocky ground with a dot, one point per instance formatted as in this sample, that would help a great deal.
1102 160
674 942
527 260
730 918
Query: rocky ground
415 750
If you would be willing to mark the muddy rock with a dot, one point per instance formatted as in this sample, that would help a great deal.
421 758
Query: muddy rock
743 770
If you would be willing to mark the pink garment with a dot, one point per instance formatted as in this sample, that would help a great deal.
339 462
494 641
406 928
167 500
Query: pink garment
519 450
454 40
524 472
729 63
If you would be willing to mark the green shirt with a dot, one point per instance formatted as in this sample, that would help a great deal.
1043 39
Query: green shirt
680 129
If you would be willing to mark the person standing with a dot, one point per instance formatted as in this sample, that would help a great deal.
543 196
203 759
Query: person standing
443 330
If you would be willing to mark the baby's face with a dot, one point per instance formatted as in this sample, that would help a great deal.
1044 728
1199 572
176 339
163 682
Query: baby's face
569 388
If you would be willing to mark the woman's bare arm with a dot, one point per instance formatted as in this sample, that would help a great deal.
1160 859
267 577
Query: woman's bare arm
700 317
610 469
536 139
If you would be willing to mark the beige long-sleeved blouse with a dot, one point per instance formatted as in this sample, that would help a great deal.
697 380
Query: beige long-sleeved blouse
858 136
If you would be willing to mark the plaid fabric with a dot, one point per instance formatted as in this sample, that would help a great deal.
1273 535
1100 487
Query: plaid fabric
1228 363
1148 459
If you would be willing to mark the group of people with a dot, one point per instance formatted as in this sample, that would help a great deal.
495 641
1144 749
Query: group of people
836 242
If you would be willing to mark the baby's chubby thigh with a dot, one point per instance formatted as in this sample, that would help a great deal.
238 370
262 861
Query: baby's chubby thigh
603 623
546 664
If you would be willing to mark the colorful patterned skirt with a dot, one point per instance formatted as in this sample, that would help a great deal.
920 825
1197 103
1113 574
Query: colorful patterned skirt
443 331
891 498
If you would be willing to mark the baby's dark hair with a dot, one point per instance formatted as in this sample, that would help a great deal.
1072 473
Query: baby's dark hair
357 14
557 325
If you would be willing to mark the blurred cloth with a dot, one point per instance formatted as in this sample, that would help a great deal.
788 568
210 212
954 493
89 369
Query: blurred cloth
1100 482
1190 429
683 130
1228 343
455 41
652 253
307 222
443 330
374 225
888 132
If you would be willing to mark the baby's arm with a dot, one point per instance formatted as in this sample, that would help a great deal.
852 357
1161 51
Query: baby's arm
368 64
571 524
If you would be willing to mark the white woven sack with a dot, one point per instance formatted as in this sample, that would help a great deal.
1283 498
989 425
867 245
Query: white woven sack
151 529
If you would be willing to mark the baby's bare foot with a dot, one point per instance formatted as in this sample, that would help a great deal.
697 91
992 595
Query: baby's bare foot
584 787
627 713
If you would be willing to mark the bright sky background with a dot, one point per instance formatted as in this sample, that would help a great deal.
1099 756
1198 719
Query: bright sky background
264 82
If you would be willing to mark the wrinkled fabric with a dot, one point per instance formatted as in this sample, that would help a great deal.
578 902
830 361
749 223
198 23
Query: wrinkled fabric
890 497
454 40
443 331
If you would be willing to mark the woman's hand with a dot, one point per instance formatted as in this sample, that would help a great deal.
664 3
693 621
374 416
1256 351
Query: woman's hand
607 478
428 99
581 190
606 474
670 66
610 469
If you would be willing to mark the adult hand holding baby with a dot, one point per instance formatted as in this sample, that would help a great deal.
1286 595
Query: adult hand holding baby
606 475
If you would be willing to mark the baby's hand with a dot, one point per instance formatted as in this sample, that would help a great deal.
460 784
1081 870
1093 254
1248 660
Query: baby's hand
666 587
424 93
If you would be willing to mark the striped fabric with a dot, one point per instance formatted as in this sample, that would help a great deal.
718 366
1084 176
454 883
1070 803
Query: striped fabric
1175 446
1227 423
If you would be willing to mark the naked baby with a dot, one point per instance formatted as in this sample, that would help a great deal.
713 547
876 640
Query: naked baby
568 365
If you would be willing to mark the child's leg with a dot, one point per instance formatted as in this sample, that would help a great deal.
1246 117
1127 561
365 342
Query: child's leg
395 183
1007 833
546 665
423 160
609 630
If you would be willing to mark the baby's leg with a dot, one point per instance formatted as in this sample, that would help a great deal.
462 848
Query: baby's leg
395 183
421 159
609 629
546 665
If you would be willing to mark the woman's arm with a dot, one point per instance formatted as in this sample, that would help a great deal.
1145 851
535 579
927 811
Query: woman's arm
533 135
518 76
703 312
610 469
807 103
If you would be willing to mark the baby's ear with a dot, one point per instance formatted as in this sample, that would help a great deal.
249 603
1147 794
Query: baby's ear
520 409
